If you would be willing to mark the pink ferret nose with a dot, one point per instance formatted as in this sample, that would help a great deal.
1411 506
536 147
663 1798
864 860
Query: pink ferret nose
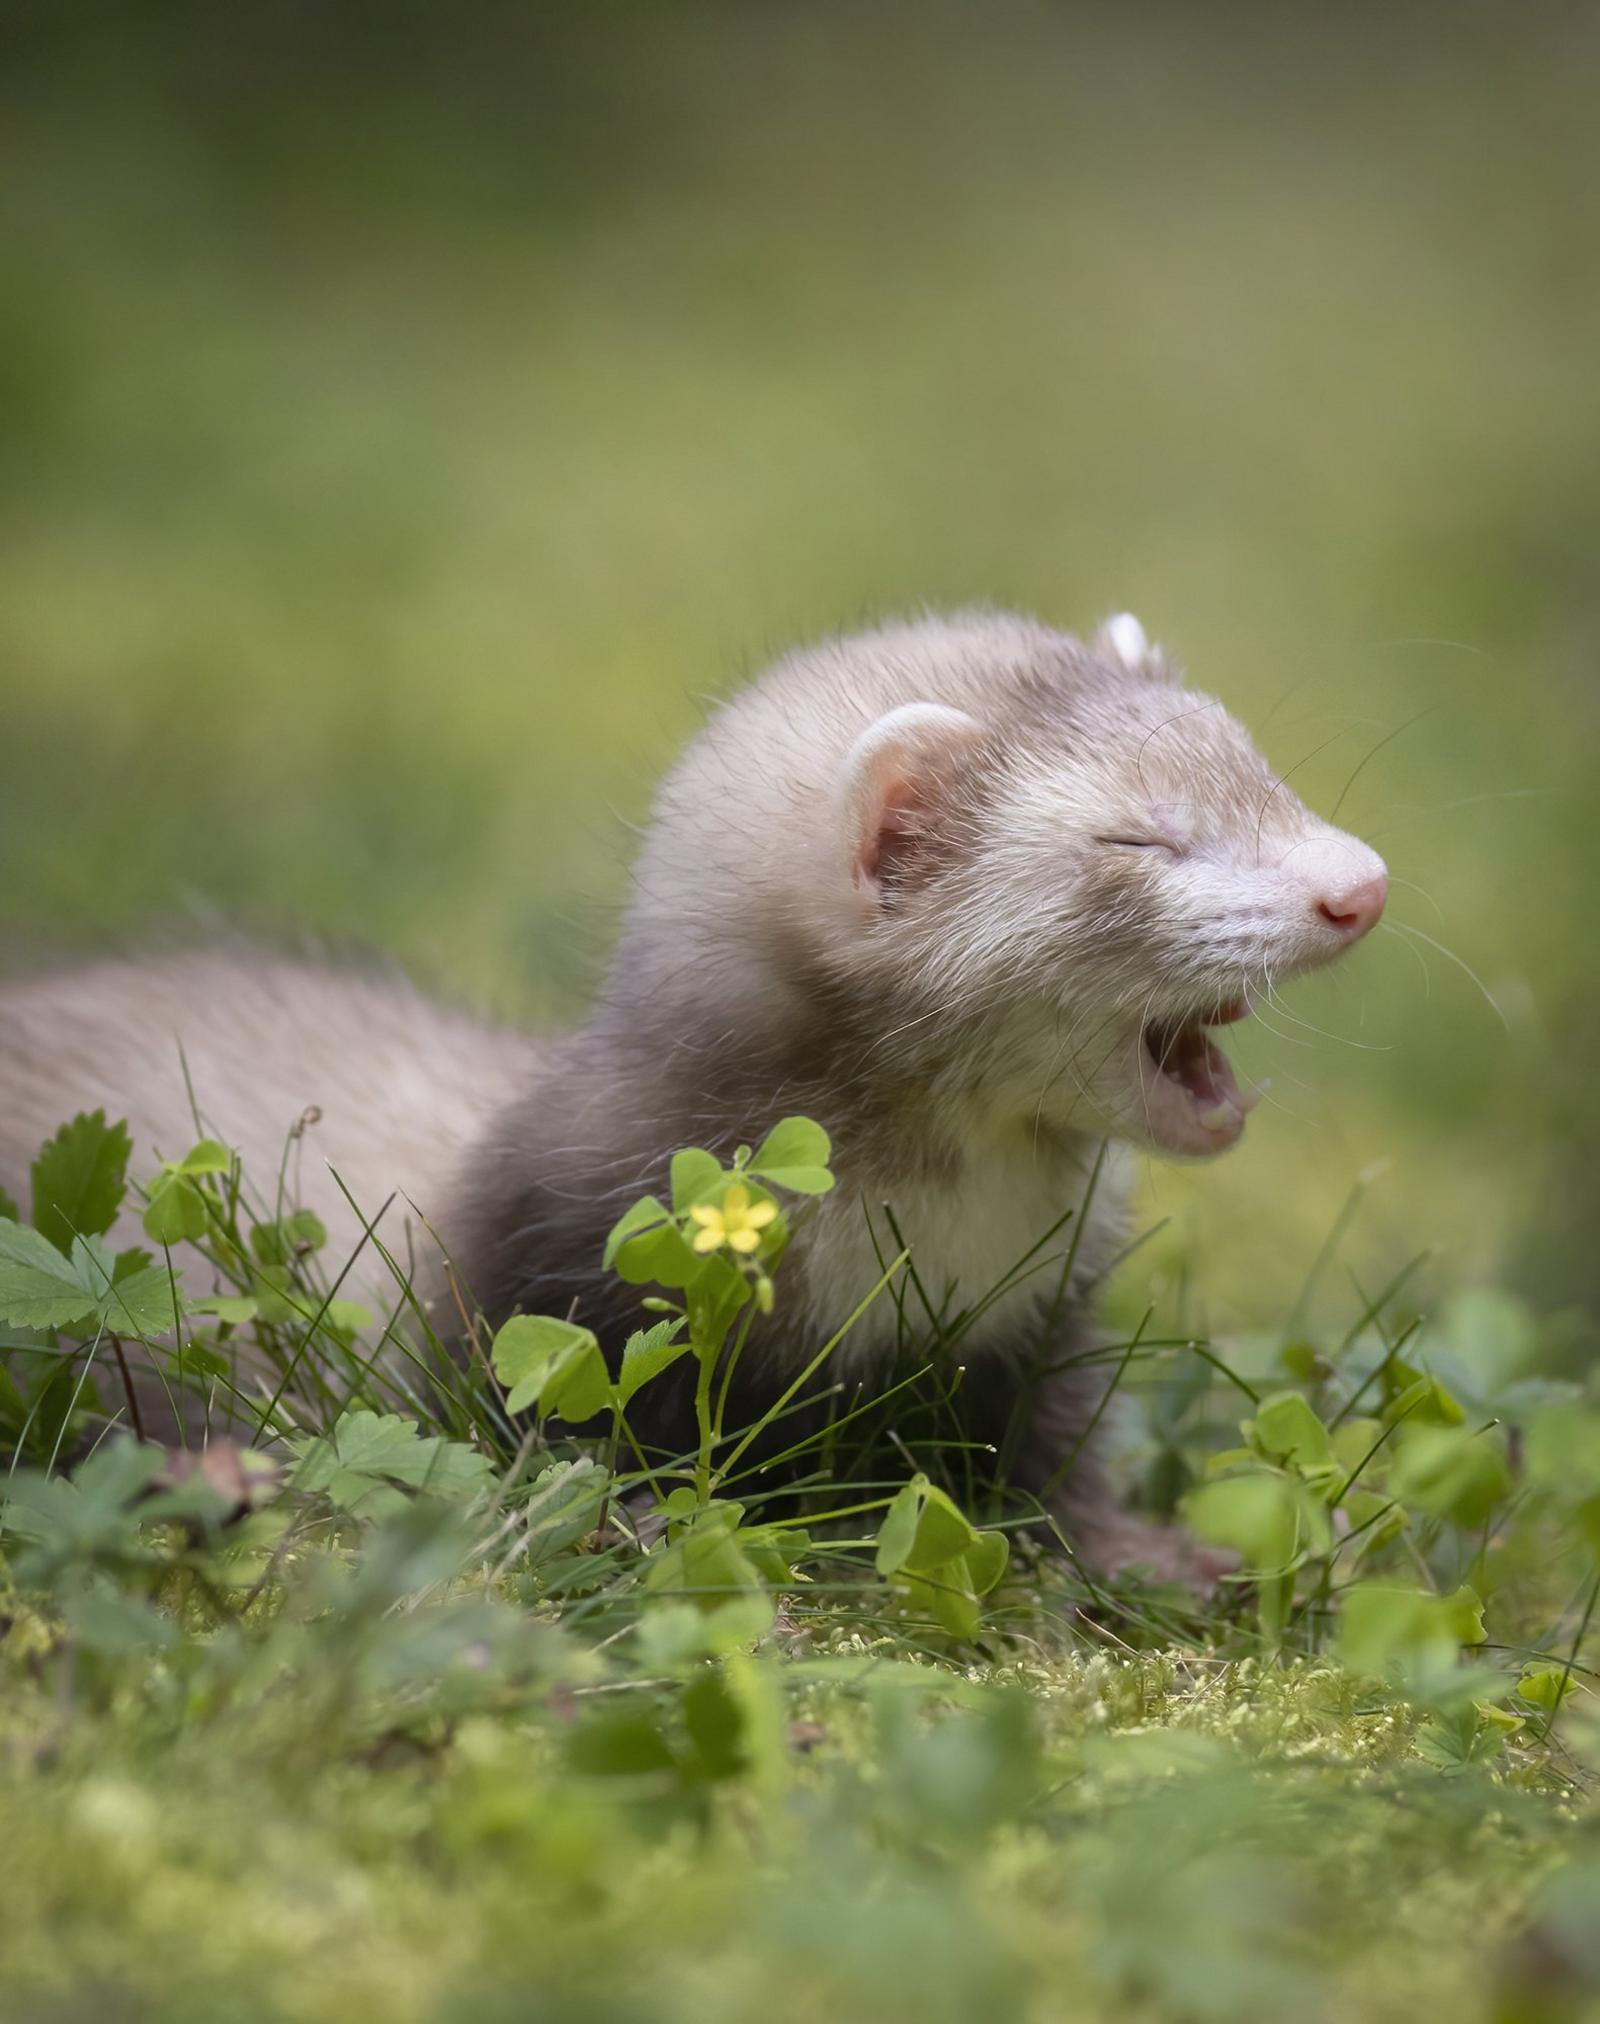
1352 909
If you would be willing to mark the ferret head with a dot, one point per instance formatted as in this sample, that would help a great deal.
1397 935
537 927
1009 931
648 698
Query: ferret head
1037 871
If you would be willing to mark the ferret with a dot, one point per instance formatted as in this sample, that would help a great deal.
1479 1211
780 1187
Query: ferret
971 892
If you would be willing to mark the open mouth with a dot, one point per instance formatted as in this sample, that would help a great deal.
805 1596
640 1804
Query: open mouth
1193 1103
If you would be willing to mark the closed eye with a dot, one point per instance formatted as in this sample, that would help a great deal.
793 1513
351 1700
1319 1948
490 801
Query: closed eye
1141 843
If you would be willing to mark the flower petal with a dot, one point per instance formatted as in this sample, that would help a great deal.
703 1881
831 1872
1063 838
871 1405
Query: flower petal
708 1240
743 1240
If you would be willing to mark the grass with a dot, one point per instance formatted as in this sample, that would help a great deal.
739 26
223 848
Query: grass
446 1710
405 432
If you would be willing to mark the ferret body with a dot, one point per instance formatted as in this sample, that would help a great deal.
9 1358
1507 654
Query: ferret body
968 891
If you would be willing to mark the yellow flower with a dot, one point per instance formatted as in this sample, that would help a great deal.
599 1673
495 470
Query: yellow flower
736 1222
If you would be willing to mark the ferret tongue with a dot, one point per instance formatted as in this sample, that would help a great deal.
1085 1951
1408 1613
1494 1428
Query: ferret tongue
1207 1074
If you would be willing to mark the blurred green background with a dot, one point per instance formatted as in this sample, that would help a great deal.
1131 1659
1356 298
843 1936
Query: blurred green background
411 416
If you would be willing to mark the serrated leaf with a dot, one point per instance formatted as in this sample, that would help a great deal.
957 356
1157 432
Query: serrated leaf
80 1178
362 1464
131 1296
116 1625
1457 1738
647 1353
140 1304
38 1286
794 1155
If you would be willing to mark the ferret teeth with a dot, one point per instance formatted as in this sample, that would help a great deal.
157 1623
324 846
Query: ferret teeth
1218 1115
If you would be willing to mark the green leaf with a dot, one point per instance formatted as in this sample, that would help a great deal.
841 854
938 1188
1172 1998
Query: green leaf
647 1353
939 1557
713 1296
176 1210
936 1531
38 1286
41 1289
290 1238
552 1363
646 1248
1455 1739
1266 1517
9 1212
1285 1429
675 1634
1562 1451
116 1625
370 1458
1376 1516
198 1358
696 1174
987 1559
344 1317
619 1746
715 1723
1406 1631
774 1550
1450 1472
1495 1335
1418 1397
705 1562
564 1507
1356 1445
794 1155
233 1308
210 1156
645 1214
80 1178
1547 1686
140 1303
89 1515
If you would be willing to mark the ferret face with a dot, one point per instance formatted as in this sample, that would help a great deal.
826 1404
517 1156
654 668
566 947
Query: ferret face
1092 874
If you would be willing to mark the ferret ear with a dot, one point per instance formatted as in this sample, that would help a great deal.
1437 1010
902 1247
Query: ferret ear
897 781
1122 640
